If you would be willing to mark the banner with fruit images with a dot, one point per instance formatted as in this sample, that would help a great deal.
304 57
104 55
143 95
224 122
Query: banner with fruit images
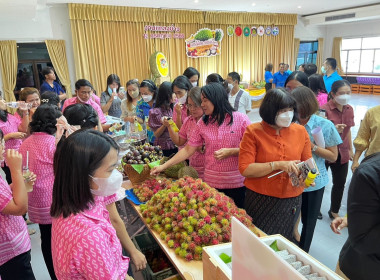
204 43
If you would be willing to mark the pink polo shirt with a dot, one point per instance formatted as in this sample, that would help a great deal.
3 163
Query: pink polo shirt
14 237
10 126
85 246
221 174
197 160
91 102
96 99
41 147
337 117
183 113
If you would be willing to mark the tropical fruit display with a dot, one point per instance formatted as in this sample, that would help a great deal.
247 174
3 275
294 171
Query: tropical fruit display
143 154
189 214
148 188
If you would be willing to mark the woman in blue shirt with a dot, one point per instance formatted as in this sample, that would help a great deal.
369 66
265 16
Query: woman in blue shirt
50 84
268 76
307 107
148 91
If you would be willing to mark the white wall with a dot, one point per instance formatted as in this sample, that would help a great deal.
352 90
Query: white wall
308 33
38 25
353 29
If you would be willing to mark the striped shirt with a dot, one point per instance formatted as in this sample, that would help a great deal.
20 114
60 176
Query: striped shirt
221 174
14 237
41 147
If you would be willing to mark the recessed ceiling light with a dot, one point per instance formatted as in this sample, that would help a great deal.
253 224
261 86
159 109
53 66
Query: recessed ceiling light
299 7
253 4
196 1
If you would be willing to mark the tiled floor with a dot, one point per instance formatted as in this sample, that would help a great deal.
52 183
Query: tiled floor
326 245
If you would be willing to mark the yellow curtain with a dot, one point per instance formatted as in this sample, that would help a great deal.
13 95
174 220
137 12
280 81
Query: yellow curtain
296 48
57 53
336 49
8 61
109 39
320 58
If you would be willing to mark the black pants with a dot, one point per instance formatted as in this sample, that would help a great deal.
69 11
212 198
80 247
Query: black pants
168 153
268 86
238 195
311 204
46 248
18 268
7 172
339 174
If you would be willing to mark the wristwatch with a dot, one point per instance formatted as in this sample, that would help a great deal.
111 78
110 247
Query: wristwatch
314 148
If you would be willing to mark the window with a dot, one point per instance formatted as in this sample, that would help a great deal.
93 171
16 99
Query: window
307 53
361 55
32 58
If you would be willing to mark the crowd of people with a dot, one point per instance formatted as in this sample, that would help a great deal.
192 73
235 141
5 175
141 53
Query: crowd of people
70 188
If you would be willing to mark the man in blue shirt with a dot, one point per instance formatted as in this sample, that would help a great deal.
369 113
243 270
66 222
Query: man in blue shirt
330 73
50 84
280 77
287 69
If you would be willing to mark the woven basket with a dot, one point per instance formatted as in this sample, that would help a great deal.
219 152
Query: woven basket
134 176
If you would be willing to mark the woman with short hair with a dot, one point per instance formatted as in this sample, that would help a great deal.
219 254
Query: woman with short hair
272 145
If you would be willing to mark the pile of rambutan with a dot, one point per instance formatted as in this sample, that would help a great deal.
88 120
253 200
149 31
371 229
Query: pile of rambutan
148 188
189 214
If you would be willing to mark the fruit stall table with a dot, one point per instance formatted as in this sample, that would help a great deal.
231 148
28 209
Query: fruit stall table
188 270
257 96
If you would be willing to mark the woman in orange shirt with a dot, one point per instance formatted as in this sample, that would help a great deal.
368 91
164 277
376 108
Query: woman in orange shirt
272 145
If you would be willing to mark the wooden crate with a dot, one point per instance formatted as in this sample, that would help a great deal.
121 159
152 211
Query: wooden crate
355 88
376 90
366 89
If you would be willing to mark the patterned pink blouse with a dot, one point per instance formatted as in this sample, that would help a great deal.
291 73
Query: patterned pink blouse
221 174
41 147
183 113
10 126
91 102
197 160
85 246
14 237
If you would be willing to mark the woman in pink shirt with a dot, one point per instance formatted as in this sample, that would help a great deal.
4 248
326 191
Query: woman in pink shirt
180 86
32 97
193 104
317 85
84 243
221 130
14 238
41 147
14 129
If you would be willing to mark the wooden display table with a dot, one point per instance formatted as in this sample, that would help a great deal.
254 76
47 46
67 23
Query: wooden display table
192 270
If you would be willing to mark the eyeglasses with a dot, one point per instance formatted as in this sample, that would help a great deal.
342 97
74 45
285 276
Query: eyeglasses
190 106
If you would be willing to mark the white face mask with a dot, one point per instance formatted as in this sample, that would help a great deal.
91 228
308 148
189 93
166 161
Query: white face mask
230 86
108 186
81 100
194 84
343 99
182 100
147 98
134 94
284 119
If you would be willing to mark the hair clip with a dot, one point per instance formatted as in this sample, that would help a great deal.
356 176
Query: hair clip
148 82
45 100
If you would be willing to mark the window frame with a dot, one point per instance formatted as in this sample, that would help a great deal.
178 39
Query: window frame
306 54
358 72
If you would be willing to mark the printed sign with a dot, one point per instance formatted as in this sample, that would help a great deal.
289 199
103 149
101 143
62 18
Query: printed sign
268 31
246 31
230 31
238 31
260 31
253 30
275 31
204 43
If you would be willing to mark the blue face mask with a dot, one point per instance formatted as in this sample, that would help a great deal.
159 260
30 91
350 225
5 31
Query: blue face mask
323 70
109 90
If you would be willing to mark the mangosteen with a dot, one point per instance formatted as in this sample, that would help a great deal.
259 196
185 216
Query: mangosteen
130 161
136 153
157 148
139 158
134 162
140 162
151 148
146 148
